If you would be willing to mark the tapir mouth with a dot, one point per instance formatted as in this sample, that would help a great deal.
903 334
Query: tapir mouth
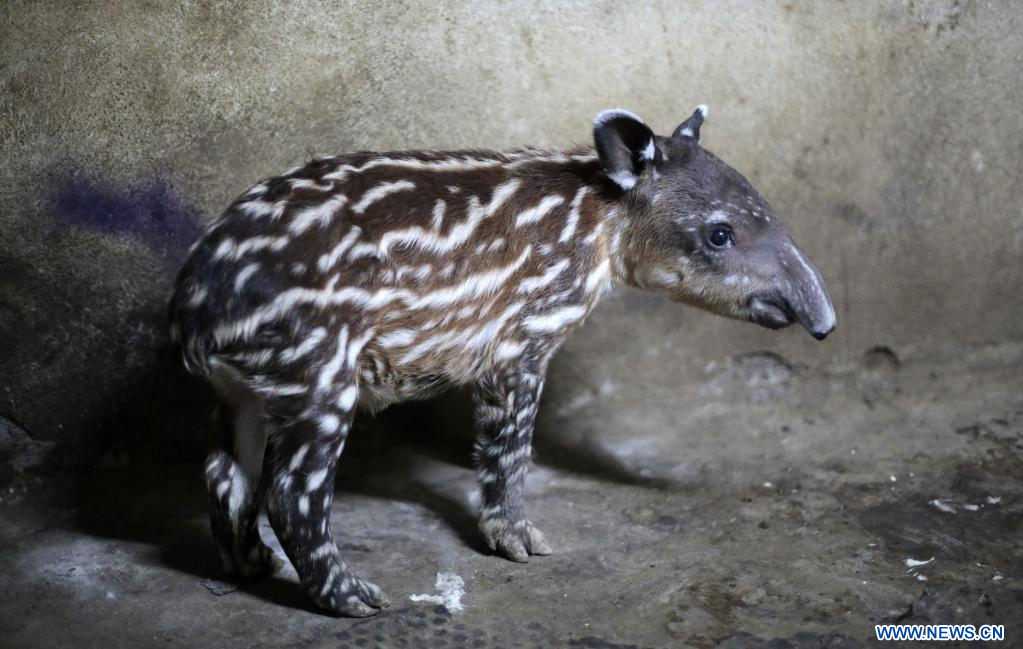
771 312
775 312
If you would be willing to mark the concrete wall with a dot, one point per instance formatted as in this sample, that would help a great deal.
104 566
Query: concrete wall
887 134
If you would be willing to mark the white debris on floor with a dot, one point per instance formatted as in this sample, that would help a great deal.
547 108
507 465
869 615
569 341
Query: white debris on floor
913 563
451 588
948 508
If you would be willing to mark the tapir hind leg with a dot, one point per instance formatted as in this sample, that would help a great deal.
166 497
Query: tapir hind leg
233 475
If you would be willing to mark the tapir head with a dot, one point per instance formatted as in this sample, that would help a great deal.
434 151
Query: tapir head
695 229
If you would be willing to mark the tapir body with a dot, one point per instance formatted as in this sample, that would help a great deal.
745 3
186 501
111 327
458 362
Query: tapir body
372 278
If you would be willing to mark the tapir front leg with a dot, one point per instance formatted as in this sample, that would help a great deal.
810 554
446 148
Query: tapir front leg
506 405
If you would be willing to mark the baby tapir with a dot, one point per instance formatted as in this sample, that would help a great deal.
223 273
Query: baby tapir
371 278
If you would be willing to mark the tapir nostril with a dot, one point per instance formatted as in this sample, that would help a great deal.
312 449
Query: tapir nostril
821 335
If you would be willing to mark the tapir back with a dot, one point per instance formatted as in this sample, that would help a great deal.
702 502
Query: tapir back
438 264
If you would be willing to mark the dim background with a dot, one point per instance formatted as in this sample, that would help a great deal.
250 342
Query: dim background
886 135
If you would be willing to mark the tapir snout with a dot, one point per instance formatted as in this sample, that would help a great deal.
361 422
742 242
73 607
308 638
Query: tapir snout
799 295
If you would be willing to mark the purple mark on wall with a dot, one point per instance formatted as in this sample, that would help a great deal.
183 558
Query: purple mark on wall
154 214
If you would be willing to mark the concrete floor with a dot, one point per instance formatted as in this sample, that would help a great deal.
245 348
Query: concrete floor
763 502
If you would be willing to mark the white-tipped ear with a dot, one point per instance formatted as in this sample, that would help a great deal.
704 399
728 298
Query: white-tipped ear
691 127
615 113
625 144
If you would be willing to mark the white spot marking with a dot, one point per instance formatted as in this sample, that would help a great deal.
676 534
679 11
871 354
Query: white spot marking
508 349
328 424
624 179
648 152
315 479
298 457
347 398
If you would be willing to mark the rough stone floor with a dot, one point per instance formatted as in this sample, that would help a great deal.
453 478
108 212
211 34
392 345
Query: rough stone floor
763 506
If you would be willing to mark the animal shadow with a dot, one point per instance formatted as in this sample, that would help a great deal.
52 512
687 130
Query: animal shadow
151 491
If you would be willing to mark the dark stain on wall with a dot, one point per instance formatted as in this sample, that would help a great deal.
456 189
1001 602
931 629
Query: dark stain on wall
85 360
154 213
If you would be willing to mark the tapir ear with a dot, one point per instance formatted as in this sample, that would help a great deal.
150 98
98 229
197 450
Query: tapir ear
625 146
690 129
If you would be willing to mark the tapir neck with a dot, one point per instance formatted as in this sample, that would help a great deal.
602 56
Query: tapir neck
587 223
605 211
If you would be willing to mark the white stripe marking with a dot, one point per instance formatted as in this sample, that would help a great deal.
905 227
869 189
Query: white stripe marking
243 275
333 366
327 261
458 234
538 282
554 320
320 215
573 215
381 191
473 287
537 212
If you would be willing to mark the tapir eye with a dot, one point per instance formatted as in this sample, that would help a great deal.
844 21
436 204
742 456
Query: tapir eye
720 237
